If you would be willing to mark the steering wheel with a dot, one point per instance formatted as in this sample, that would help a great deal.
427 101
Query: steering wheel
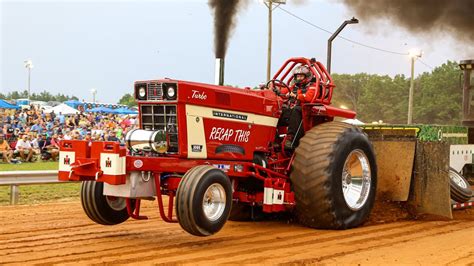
277 83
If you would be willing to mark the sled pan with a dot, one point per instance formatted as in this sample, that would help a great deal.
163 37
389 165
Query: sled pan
412 170
395 155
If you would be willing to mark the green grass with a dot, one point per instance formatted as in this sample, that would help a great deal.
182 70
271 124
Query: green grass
31 194
29 166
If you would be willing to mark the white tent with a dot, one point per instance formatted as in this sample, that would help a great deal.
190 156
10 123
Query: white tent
354 121
63 109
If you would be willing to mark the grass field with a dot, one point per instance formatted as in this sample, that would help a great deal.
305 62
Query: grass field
29 166
31 194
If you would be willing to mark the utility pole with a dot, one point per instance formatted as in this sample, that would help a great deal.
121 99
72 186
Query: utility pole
94 92
414 54
269 51
269 4
29 66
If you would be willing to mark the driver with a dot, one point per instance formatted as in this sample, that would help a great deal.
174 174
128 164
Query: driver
299 92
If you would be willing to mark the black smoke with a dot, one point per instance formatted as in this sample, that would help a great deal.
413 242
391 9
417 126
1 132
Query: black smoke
453 17
225 12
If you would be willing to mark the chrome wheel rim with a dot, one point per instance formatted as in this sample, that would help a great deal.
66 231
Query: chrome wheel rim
456 178
213 202
116 203
356 179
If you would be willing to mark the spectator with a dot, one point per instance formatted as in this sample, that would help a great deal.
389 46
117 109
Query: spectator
5 151
119 133
68 135
55 142
76 135
48 150
37 128
35 142
23 146
112 136
88 138
62 119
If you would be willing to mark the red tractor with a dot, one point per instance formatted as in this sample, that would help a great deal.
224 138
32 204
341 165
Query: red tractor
217 152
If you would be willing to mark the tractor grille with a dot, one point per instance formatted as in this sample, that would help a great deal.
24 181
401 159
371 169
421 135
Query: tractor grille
161 117
155 91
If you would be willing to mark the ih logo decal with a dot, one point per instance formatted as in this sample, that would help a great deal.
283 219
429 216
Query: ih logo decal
67 160
108 163
280 196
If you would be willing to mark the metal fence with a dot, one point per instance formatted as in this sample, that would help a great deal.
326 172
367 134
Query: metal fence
16 178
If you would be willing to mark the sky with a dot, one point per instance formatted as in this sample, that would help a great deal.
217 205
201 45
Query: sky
107 45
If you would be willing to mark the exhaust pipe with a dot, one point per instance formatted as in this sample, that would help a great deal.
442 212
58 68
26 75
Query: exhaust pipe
219 75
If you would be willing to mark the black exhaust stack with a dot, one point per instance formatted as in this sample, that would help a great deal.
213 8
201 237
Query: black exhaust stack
219 75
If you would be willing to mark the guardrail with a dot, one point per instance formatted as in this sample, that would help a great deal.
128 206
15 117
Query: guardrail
16 178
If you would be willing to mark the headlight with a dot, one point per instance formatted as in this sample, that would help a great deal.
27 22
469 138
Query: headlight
141 92
171 92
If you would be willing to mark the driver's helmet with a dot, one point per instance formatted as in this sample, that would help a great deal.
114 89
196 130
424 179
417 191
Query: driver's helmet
302 70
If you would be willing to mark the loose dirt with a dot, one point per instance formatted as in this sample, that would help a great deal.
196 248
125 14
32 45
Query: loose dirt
60 233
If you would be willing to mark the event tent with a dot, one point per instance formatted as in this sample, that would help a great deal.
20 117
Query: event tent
4 104
73 103
63 109
101 109
125 111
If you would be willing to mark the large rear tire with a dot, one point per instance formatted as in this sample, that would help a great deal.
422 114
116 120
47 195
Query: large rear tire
334 177
203 200
105 210
460 189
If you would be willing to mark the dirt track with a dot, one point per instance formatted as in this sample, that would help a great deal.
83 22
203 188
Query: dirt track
61 233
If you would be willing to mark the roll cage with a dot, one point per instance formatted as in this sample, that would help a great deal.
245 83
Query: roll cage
321 78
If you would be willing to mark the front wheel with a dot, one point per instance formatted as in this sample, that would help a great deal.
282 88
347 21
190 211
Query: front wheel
203 200
334 177
460 189
105 210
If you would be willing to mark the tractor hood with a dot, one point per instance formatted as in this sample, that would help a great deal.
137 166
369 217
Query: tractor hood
262 102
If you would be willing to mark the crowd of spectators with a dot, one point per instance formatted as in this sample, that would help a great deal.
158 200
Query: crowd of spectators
29 135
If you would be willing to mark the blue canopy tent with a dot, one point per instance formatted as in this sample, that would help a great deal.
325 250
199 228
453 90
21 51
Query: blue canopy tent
73 103
6 105
101 110
125 111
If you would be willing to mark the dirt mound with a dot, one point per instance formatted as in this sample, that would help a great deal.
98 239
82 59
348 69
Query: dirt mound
388 212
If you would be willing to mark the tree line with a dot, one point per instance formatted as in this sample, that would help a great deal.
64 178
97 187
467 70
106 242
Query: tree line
42 96
437 96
